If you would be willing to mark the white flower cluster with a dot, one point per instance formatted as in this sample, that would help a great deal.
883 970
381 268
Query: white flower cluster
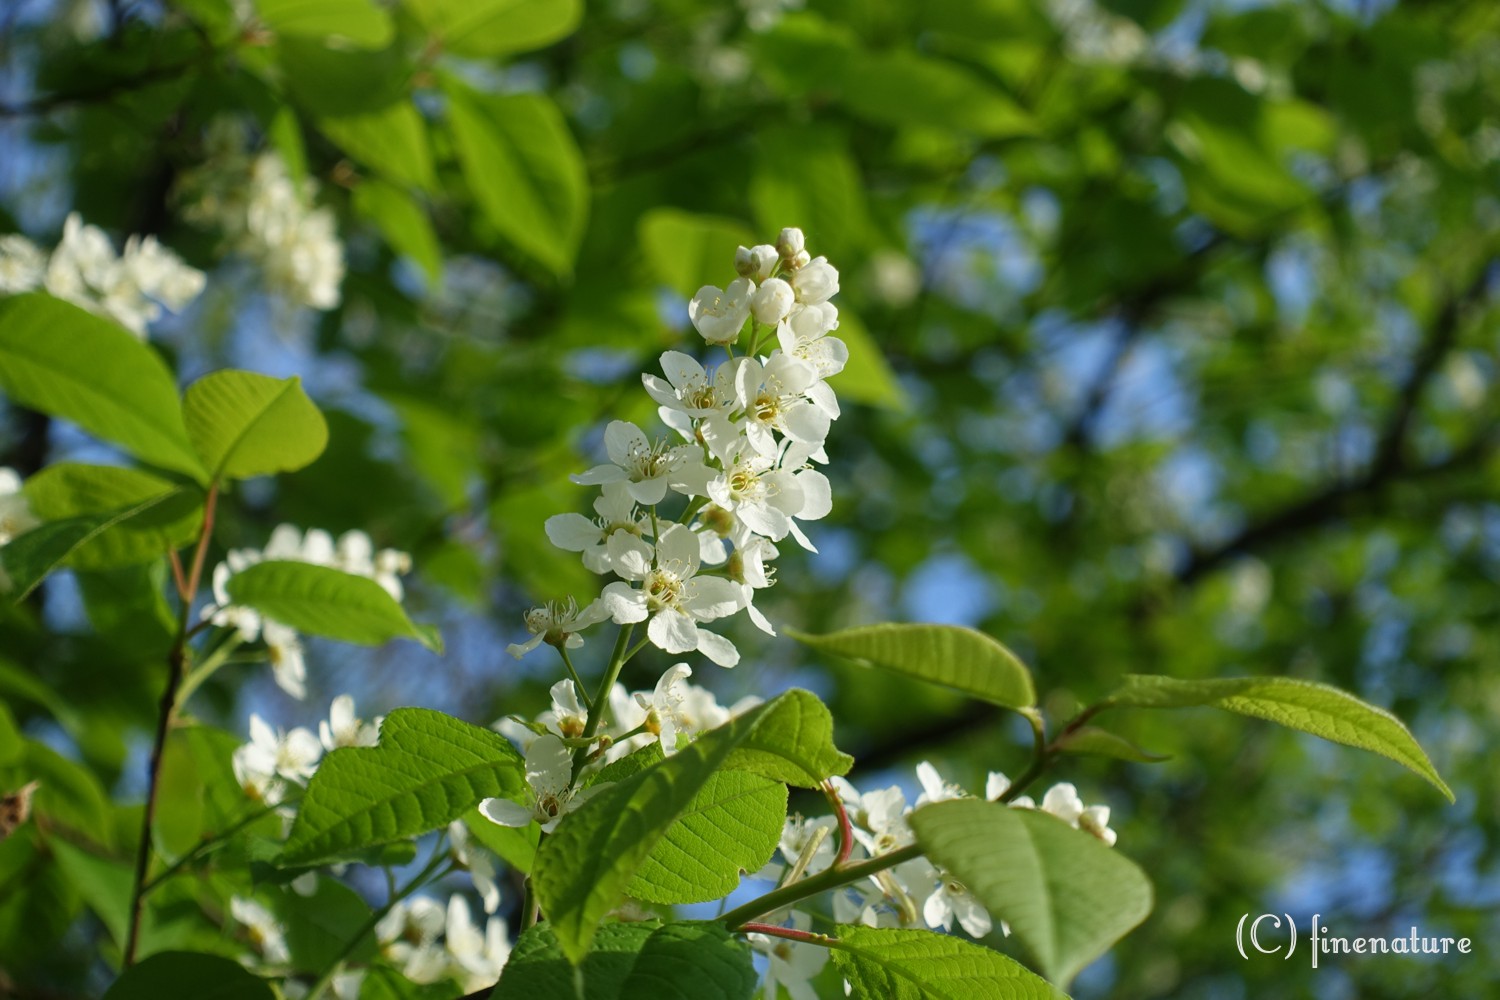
426 940
268 216
353 552
431 943
673 712
750 429
276 761
906 893
130 287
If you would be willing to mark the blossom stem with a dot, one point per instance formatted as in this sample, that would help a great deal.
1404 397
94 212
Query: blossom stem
439 857
829 878
531 907
204 670
177 658
617 661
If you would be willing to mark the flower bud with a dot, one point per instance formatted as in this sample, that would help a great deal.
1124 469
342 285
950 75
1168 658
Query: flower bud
744 263
719 314
765 259
772 301
790 243
799 260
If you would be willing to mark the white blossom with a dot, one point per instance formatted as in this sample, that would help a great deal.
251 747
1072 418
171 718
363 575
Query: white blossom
774 398
479 862
273 759
266 932
343 728
23 264
477 957
408 935
617 512
551 795
719 314
950 901
15 513
772 301
648 469
557 623
672 596
815 282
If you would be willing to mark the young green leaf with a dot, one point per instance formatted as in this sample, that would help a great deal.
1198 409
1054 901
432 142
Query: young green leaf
188 973
632 961
733 824
525 170
243 424
428 770
585 867
1103 743
894 964
359 22
1066 896
320 600
1306 706
516 845
69 363
392 141
69 489
403 222
29 558
949 655
489 28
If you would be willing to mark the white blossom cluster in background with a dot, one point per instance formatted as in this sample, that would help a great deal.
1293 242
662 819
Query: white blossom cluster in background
749 431
129 287
673 712
15 515
267 215
353 552
275 762
914 893
427 940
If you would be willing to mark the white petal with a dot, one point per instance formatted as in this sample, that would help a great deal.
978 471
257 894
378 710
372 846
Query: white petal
817 495
620 438
571 532
599 475
504 812
624 604
717 648
673 631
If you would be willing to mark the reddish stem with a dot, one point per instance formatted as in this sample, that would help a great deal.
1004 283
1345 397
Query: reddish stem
846 830
790 933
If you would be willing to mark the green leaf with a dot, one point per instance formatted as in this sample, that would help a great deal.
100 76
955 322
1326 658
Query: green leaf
950 655
867 377
905 88
321 600
524 169
179 973
102 883
243 424
632 961
392 141
585 867
427 771
1066 896
1306 706
69 489
320 926
10 739
734 823
896 964
687 251
403 222
1103 743
691 961
360 22
69 363
29 558
488 28
538 968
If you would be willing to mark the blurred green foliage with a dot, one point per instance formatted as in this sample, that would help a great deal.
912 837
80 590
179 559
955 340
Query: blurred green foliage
1174 351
